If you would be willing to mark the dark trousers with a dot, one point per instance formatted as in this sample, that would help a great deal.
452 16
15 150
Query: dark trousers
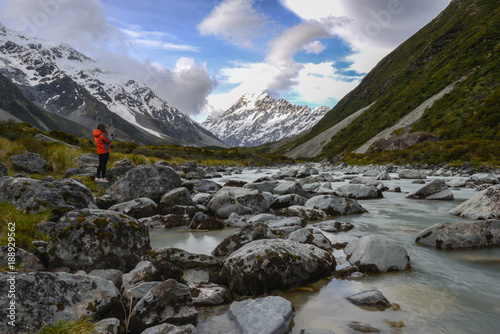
103 160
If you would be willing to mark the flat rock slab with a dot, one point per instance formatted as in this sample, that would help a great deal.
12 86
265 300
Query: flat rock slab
485 205
268 315
461 235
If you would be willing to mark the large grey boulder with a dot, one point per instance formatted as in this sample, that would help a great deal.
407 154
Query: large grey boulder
266 315
375 254
132 295
411 174
461 235
284 226
24 259
246 235
289 187
90 239
302 212
266 186
35 196
371 298
145 181
87 159
3 170
178 196
168 302
206 186
366 181
145 271
485 205
28 162
210 294
137 208
113 275
285 201
264 265
359 191
44 297
436 190
311 236
239 200
334 205
109 326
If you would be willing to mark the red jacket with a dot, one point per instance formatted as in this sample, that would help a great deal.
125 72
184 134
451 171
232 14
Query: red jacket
102 141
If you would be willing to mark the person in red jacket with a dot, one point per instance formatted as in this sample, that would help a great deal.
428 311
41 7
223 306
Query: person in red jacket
103 144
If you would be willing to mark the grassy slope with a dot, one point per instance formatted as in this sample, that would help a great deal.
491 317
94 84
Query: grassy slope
462 41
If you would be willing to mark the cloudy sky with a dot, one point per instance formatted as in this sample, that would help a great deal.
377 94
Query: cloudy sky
202 55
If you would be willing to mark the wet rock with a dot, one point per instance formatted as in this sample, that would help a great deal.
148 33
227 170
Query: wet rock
289 187
284 226
44 297
285 201
165 221
311 236
436 190
197 219
145 181
266 186
333 226
35 196
206 186
28 162
178 196
411 174
372 298
302 212
209 294
239 200
257 231
90 239
3 170
170 329
334 205
485 205
375 254
144 271
137 208
362 328
267 315
384 176
113 275
24 259
461 235
210 223
168 302
110 326
359 191
264 265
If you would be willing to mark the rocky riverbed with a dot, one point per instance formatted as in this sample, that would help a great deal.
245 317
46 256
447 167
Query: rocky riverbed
287 240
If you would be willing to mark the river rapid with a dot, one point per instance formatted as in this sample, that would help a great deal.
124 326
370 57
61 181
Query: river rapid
444 292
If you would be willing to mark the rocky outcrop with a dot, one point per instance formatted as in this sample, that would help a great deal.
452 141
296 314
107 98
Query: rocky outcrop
334 205
145 181
485 205
461 235
436 190
402 142
267 315
257 231
375 254
239 200
44 297
264 265
168 302
90 239
28 162
35 196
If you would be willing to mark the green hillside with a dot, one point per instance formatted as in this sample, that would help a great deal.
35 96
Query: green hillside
463 42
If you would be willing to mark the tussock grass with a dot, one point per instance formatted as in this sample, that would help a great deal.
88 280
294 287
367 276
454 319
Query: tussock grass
25 224
80 326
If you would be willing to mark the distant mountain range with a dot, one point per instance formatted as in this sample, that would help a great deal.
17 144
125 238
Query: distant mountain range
256 118
444 81
67 84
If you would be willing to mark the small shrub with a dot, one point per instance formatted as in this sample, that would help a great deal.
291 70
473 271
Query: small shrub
80 326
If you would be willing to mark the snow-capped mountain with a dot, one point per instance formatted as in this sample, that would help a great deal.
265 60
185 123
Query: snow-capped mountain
65 82
257 119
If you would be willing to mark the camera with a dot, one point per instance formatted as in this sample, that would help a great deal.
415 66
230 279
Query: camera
113 135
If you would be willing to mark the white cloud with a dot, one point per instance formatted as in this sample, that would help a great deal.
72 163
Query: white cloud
315 47
154 39
236 21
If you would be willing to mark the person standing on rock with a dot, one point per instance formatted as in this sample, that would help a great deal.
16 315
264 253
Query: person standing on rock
103 144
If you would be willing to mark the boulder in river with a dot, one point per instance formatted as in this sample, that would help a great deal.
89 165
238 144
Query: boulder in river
485 205
137 208
264 265
411 174
334 205
461 235
90 239
239 200
246 235
359 191
44 297
372 298
311 236
266 315
375 254
436 190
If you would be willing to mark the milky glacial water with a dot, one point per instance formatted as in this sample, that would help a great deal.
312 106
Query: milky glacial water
444 292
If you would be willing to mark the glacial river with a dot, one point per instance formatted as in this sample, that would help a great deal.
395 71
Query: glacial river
444 292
